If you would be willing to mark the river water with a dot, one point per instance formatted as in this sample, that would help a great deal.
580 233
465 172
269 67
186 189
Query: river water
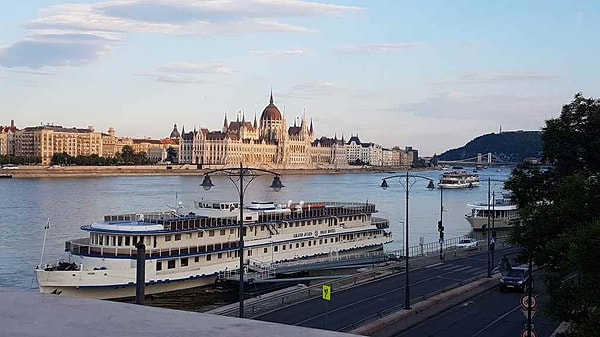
27 204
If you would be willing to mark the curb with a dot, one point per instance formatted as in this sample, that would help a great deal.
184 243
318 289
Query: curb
402 320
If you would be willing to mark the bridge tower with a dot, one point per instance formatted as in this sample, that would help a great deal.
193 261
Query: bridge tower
489 159
479 159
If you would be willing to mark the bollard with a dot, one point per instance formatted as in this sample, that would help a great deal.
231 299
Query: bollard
140 279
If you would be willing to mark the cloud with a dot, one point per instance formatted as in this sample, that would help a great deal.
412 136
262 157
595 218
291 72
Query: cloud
458 105
197 68
32 72
187 72
314 89
378 48
186 17
54 50
88 29
483 78
280 53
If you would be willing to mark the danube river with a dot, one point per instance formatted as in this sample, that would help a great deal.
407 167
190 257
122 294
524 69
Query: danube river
27 204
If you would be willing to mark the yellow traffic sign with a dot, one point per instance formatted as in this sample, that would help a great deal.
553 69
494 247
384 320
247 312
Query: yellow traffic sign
327 292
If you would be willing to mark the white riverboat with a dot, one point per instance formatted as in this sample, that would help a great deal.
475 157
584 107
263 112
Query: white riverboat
458 179
185 251
502 213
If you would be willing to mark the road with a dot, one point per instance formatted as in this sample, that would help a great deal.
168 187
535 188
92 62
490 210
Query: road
489 314
354 306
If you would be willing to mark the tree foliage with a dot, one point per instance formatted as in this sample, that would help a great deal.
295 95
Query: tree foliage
560 214
127 157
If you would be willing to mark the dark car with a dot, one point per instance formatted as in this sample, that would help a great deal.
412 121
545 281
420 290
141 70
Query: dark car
516 278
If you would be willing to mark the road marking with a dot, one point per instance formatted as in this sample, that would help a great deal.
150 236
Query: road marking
496 320
434 265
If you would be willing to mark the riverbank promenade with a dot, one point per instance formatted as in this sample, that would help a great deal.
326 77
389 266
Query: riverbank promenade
29 313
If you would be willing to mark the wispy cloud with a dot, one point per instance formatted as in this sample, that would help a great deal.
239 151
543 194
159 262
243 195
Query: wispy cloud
187 72
53 50
314 89
280 53
78 33
459 105
378 48
197 68
482 78
32 72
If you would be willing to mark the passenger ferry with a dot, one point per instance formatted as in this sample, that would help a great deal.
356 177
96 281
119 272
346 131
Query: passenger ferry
458 179
190 250
502 213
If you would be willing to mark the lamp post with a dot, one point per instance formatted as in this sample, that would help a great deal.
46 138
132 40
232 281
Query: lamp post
407 186
441 223
237 176
490 247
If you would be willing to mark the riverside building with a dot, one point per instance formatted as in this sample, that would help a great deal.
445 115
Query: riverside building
268 142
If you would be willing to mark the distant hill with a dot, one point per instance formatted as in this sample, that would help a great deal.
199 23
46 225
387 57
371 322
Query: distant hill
513 146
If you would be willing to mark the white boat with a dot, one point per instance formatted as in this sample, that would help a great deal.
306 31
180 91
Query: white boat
502 212
185 251
458 179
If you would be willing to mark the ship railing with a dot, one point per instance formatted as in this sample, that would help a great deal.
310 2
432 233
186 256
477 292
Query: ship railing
83 247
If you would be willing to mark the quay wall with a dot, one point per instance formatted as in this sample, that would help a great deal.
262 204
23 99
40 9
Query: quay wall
42 171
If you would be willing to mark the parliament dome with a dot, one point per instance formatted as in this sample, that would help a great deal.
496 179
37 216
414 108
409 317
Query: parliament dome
271 112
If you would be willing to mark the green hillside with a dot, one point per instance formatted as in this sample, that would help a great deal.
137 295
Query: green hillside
513 146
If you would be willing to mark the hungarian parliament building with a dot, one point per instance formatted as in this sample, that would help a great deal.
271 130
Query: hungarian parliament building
269 143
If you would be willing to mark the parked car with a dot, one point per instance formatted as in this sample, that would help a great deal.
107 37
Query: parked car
467 243
10 167
516 278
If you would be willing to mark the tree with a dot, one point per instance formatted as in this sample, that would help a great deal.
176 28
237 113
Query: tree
172 155
128 155
560 214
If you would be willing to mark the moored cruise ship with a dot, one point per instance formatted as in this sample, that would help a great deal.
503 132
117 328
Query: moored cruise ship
458 179
185 251
502 213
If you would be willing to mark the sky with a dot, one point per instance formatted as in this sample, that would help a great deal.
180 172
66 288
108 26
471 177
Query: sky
428 74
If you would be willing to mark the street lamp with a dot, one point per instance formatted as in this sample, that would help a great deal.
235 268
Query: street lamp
490 246
441 223
237 176
407 186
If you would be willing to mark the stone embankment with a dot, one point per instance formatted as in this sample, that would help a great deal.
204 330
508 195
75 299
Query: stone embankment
39 171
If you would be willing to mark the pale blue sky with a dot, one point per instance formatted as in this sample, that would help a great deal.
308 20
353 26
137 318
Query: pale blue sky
427 74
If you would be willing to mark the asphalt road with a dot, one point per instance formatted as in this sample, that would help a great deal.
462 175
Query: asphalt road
354 306
489 314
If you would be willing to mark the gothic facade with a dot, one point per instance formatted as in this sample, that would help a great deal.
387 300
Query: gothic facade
268 142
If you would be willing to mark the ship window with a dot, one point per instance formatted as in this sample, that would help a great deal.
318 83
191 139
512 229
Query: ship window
262 228
220 255
303 223
171 264
337 239
231 231
184 262
167 237
200 234
250 252
325 240
320 221
211 233
113 240
127 241
320 241
196 258
210 247
290 246
297 224
222 232
276 248
100 241
302 244
266 250
158 266
106 240
189 235
177 237
309 243
283 247
119 240
297 244
208 257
